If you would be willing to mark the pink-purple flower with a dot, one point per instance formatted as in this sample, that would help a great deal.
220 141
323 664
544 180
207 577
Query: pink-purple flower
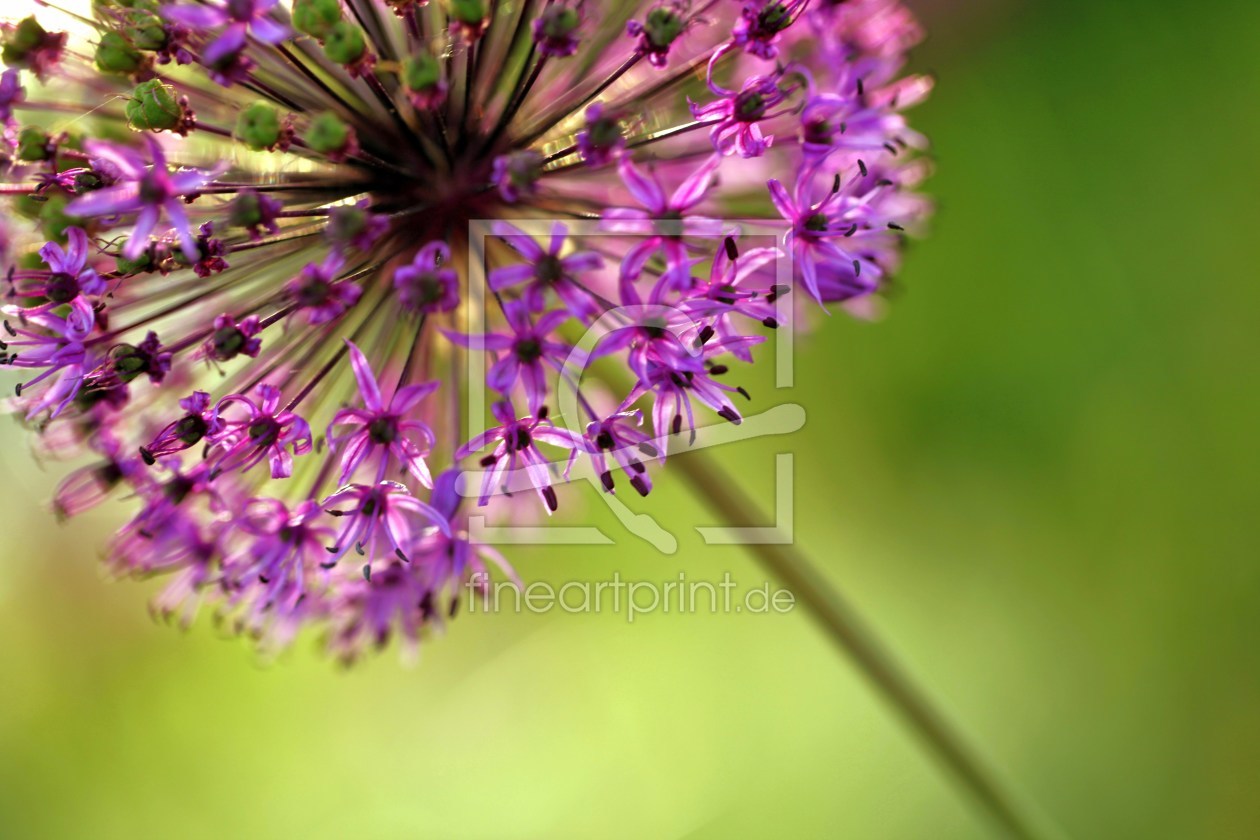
381 428
428 284
246 431
148 190
545 270
515 453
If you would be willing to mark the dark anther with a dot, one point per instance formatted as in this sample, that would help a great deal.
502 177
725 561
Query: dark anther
857 268
770 322
367 572
743 393
488 461
147 456
728 413
677 424
543 411
732 250
549 496
401 556
835 184
862 167
718 370
895 226
649 450
606 479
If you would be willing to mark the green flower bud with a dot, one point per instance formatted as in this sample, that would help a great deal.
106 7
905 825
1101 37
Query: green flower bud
421 72
144 29
316 17
27 35
245 211
468 11
258 126
32 144
344 43
53 219
115 54
153 107
126 267
663 26
775 17
560 21
327 134
605 132
87 181
128 361
31 261
346 222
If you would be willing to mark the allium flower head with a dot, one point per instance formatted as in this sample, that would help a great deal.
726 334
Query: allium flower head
256 300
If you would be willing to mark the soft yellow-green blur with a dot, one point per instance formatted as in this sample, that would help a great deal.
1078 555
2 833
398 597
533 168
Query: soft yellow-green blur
1037 477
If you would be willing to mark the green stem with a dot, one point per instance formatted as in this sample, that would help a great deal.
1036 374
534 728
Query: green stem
1016 818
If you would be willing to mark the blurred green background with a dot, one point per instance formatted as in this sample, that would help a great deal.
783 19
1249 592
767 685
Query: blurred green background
1037 478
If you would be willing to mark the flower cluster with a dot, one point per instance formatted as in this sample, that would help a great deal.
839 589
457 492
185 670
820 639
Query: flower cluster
249 273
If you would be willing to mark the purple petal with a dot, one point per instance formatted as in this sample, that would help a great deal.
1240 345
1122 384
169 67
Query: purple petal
196 17
366 379
110 201
697 184
268 31
644 189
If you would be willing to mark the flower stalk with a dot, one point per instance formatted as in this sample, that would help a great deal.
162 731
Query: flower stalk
991 793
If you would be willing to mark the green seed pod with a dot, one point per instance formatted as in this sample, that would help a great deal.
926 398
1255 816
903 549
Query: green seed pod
346 222
245 211
560 21
53 218
144 30
27 35
316 17
663 26
344 43
258 126
468 11
31 261
153 107
87 181
32 144
775 17
140 264
115 54
128 361
421 72
327 134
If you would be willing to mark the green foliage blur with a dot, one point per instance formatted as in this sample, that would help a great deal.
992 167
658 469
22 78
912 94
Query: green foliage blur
1037 477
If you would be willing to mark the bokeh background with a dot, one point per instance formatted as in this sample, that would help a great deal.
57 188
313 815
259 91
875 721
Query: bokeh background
1037 477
